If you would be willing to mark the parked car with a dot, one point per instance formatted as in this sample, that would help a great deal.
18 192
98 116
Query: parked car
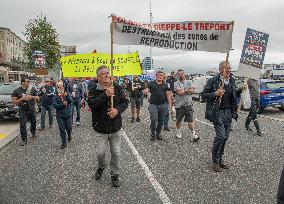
198 83
7 109
271 94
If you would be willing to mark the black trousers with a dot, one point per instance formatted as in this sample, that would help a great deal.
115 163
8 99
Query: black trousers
27 116
280 194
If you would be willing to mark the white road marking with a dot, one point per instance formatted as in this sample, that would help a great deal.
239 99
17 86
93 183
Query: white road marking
163 196
204 122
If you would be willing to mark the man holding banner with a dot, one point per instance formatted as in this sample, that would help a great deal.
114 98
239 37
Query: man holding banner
107 121
221 107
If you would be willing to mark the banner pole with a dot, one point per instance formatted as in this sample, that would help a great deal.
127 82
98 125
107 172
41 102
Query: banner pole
224 75
111 59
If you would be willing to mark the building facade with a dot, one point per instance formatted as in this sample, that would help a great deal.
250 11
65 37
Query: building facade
147 63
11 48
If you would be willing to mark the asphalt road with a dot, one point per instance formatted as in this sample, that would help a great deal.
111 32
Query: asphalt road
168 171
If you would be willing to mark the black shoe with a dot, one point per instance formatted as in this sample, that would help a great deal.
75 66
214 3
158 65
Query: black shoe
115 180
152 138
138 119
69 139
216 167
224 165
23 143
167 129
132 120
41 129
99 173
63 146
159 137
248 128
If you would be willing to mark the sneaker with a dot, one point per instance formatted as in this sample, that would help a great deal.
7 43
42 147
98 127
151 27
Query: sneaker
178 135
115 180
51 126
152 138
138 119
259 133
195 137
77 123
23 143
216 167
63 146
132 120
248 128
99 173
224 165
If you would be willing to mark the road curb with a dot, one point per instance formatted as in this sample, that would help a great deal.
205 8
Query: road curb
12 136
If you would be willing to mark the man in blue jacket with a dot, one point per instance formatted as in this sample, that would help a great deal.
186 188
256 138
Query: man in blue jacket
46 94
107 121
75 89
221 107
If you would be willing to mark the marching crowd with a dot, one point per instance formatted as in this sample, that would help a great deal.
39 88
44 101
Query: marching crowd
108 98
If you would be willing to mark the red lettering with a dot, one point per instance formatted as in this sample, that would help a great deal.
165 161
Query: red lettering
222 26
178 26
168 26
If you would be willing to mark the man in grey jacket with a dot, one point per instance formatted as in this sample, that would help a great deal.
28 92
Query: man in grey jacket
253 86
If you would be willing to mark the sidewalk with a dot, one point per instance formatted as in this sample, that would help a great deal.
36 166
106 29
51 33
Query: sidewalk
9 130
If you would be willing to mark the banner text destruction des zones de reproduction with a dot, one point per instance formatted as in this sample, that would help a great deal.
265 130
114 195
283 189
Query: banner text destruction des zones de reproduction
210 36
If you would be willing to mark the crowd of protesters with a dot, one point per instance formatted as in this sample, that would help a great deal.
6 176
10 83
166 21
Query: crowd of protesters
108 97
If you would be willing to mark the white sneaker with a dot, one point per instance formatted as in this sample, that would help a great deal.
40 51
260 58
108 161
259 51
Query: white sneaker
78 123
178 135
195 137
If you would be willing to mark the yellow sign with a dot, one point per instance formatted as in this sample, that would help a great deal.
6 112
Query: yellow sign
85 65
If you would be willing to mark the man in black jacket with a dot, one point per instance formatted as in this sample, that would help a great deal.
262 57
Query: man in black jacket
46 94
107 121
221 107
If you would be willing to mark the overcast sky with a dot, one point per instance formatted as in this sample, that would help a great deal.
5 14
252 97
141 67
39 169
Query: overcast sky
85 23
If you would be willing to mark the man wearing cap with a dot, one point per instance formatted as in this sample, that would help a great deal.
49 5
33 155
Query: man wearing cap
46 94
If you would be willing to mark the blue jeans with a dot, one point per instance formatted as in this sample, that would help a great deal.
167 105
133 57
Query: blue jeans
77 105
25 116
157 117
65 125
114 141
222 130
47 108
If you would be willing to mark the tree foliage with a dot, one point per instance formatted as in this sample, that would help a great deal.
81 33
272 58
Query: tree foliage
40 35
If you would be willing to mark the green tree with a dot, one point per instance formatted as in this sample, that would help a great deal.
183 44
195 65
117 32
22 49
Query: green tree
40 35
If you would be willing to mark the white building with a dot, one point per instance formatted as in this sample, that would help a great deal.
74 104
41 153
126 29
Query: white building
11 48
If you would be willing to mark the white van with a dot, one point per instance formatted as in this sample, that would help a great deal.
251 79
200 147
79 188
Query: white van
198 83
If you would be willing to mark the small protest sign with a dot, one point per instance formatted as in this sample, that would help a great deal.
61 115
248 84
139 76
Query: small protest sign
253 54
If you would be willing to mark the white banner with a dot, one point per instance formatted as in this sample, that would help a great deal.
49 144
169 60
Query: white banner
210 36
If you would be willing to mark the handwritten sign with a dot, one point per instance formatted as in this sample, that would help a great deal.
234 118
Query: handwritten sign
85 65
253 54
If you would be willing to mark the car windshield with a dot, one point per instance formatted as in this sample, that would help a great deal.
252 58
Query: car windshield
275 85
7 89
